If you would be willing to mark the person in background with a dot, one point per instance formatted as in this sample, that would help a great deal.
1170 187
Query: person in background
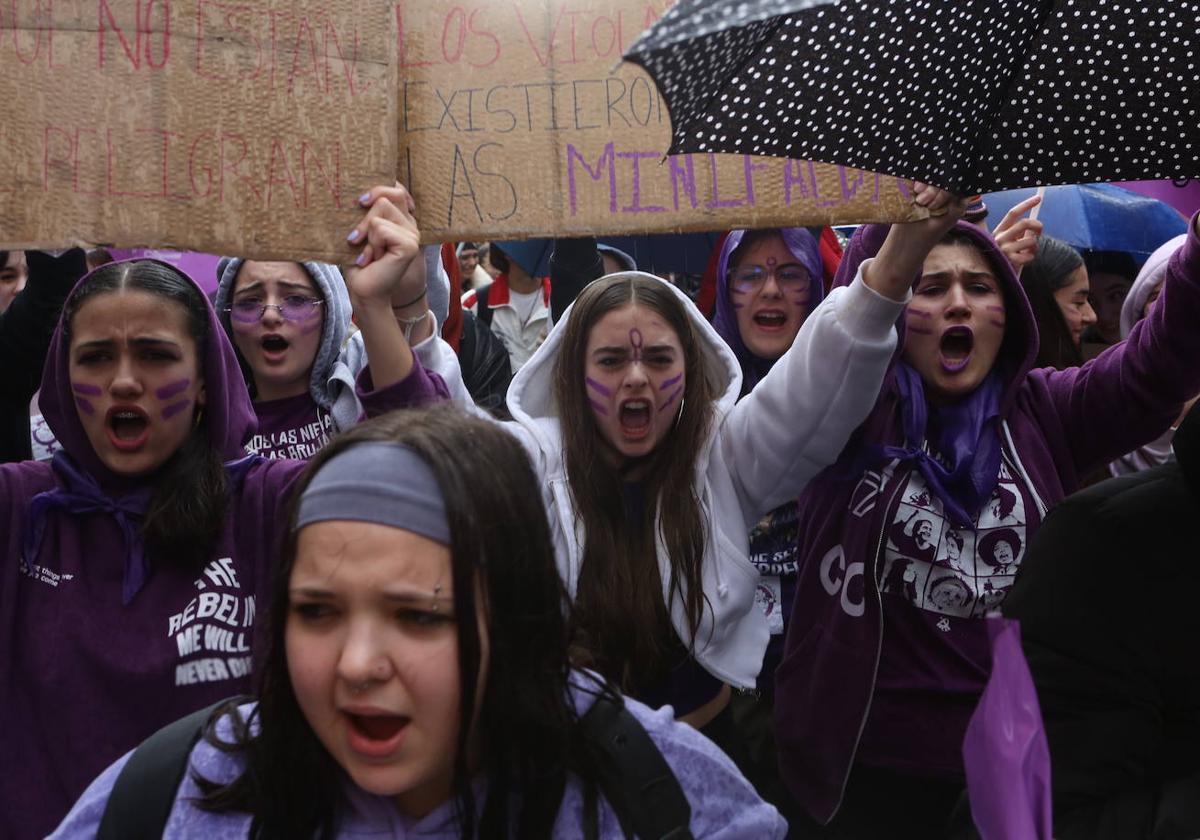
1056 283
1114 662
516 307
290 325
1110 277
470 269
417 682
1139 303
26 325
14 272
485 260
482 358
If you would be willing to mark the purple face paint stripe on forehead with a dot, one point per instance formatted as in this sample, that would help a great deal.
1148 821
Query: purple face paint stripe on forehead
635 338
597 387
671 399
85 405
173 390
175 408
598 406
670 382
83 388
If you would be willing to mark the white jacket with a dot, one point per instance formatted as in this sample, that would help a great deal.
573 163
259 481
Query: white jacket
760 453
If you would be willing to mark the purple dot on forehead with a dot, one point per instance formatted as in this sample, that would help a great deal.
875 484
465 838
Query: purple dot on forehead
83 388
772 262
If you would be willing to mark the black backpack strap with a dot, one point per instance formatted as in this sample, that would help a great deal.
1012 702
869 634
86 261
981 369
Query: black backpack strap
144 793
482 311
635 778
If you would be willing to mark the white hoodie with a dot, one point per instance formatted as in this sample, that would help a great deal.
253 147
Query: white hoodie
760 452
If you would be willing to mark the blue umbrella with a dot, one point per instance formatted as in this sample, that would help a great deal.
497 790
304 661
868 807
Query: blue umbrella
684 253
1098 217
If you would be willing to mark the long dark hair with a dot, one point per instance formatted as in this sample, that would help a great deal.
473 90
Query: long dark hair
621 626
500 543
1045 275
187 511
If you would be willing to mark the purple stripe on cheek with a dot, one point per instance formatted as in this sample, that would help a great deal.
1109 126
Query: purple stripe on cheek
599 407
175 408
996 323
671 399
85 405
597 387
920 313
994 308
670 382
173 390
913 328
89 390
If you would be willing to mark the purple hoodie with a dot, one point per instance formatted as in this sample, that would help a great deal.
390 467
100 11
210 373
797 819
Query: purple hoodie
835 634
84 677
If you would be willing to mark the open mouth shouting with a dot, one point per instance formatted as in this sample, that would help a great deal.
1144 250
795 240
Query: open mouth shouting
375 734
954 350
128 427
634 416
274 347
770 320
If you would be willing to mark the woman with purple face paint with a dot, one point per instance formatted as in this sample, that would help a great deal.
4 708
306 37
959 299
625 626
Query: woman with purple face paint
290 324
654 471
970 436
135 564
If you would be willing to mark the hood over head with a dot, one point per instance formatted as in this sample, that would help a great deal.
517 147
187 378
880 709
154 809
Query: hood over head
1153 272
531 394
336 312
804 248
228 413
1018 353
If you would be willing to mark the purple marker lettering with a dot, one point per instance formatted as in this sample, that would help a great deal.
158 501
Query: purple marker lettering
674 380
599 407
85 405
635 338
919 330
671 399
173 390
175 408
597 387
90 390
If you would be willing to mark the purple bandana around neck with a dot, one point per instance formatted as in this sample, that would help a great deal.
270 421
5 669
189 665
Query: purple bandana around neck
963 466
79 493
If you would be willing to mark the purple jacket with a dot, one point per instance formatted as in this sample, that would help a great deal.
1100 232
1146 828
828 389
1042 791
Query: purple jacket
1062 425
83 677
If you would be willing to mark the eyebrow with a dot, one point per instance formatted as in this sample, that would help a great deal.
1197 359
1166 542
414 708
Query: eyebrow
938 275
652 348
142 341
315 593
287 284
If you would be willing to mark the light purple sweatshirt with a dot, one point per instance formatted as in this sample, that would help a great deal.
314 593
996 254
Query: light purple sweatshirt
723 804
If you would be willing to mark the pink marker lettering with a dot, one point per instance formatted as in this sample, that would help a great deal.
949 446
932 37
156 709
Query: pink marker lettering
597 387
85 405
173 390
83 388
175 408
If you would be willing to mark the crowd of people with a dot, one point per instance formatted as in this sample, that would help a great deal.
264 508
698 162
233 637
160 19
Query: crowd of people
435 546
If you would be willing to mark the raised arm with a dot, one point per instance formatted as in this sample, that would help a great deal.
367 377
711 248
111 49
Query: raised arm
801 415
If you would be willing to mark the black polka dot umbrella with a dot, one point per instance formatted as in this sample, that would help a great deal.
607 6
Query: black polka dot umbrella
972 95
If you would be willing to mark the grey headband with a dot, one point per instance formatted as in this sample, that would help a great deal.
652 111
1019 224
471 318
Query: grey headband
384 483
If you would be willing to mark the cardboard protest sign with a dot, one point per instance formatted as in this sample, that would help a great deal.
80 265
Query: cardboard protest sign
245 128
516 120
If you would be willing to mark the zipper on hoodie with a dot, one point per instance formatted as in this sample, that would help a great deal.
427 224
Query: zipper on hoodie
878 645
1020 467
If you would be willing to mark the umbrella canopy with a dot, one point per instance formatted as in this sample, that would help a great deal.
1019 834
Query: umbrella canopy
971 95
1184 196
1100 217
